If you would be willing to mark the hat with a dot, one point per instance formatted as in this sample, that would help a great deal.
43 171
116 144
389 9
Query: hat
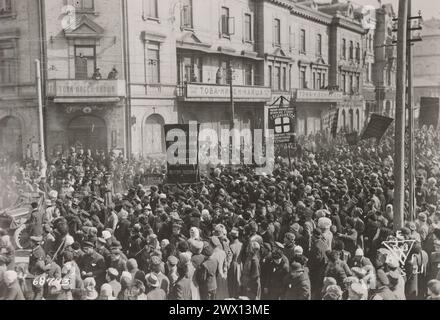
152 280
88 244
172 260
296 267
277 254
298 250
113 272
422 217
359 252
234 232
37 239
107 291
324 223
106 235
155 261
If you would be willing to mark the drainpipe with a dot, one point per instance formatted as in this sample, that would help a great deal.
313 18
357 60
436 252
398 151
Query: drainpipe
126 57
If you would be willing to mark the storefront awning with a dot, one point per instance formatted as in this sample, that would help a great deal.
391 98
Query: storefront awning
86 100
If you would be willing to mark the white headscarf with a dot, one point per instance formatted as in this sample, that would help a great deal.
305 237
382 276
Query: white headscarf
195 233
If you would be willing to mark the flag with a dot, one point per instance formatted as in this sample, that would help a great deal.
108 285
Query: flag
429 112
377 127
334 123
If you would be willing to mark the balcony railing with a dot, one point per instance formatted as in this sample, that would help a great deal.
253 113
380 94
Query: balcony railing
222 93
86 88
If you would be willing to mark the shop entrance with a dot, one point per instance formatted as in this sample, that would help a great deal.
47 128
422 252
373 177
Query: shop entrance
89 132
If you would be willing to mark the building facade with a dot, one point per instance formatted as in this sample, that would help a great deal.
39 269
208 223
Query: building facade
427 62
19 47
347 67
85 86
384 69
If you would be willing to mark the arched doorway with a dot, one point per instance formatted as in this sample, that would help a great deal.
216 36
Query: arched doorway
11 141
153 135
89 132
351 117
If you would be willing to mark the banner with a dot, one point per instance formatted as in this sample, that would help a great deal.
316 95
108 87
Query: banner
377 127
429 112
282 121
187 170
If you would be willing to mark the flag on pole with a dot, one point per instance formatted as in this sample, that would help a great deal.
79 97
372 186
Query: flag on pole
377 127
334 123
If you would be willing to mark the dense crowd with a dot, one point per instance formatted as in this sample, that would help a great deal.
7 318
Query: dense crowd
315 230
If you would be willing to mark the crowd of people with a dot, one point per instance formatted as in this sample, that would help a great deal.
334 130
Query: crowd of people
314 229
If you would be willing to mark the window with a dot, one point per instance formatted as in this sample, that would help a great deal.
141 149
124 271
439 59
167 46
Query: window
319 84
270 76
291 39
351 50
247 27
314 81
150 8
303 41
225 22
370 41
358 52
248 74
153 63
284 83
83 5
187 14
85 62
368 72
344 49
350 84
7 65
323 80
388 77
319 45
358 84
302 79
277 32
277 82
5 6
344 83
191 69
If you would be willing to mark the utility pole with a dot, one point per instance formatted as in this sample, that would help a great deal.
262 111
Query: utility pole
411 126
399 143
43 164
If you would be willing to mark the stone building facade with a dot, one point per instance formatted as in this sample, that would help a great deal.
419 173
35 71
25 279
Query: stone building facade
19 47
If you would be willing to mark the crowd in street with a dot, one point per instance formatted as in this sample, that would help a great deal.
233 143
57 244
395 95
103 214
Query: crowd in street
315 230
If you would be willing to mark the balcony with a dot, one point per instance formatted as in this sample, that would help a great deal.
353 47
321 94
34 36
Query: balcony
201 92
77 91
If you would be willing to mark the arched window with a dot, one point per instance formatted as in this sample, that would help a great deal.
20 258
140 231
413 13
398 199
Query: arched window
388 108
153 135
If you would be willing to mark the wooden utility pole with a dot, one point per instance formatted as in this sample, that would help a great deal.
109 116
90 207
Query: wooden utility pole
411 163
399 143
231 86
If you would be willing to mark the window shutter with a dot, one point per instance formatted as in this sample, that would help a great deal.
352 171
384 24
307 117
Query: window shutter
231 25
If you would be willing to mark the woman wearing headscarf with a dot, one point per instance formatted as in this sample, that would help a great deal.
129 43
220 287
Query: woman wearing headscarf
222 268
90 289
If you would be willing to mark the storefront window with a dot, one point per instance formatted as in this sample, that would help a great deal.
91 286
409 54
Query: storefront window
191 69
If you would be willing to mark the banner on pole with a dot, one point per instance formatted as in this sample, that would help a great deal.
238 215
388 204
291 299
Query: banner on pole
334 123
282 121
352 138
377 127
186 170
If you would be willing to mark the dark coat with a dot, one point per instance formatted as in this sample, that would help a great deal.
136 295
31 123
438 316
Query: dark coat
297 287
206 275
181 290
273 276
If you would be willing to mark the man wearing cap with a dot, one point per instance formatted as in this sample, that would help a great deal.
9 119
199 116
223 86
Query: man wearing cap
156 266
112 280
92 264
154 291
37 253
116 261
176 235
274 270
